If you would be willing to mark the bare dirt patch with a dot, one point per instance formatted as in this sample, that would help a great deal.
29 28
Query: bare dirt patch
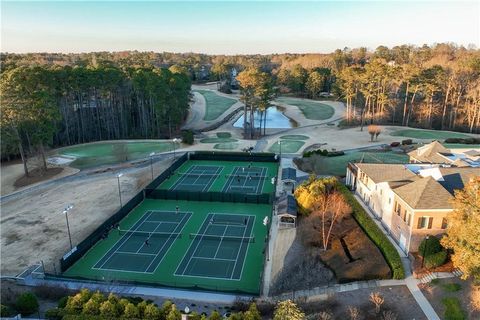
37 175
468 296
33 227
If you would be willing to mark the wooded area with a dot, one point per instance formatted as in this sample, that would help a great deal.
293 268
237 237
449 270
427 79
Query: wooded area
77 98
63 105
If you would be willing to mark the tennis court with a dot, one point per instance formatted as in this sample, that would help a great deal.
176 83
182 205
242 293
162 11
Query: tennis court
248 179
184 250
219 248
223 176
142 247
197 178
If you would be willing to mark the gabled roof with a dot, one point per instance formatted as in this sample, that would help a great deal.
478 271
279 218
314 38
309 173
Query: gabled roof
430 153
287 205
426 193
386 172
289 174
457 178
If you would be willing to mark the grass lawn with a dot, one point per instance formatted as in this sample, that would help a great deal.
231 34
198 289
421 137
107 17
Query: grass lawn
461 146
428 134
311 110
337 165
294 137
218 140
288 146
215 105
102 153
224 134
226 146
453 309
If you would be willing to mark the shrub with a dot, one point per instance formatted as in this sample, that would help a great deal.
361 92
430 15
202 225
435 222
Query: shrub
62 302
187 137
453 140
433 246
5 311
54 314
394 144
323 152
453 309
27 303
407 142
452 287
375 234
436 259
463 141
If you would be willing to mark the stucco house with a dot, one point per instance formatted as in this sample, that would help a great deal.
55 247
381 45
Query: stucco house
410 200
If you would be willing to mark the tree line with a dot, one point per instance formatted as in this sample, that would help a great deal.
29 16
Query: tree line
52 105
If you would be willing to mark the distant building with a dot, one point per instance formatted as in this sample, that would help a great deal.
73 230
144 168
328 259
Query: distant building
435 152
411 200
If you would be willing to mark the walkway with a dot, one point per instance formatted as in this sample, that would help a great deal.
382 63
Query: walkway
409 281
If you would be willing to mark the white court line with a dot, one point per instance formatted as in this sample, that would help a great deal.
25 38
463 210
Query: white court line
218 259
158 225
217 172
186 251
180 181
238 253
123 242
136 253
164 243
220 243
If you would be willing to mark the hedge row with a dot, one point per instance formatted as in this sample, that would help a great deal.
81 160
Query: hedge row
324 153
375 234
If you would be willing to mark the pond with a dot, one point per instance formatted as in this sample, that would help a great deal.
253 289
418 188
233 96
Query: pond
275 119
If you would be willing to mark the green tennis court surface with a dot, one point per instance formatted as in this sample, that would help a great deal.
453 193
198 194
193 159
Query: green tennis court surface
143 247
207 245
223 176
219 249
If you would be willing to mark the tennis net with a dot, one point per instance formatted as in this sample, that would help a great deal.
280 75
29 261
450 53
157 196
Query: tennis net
221 238
148 235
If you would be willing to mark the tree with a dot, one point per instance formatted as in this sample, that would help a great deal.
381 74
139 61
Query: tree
252 313
215 316
27 303
377 299
315 83
108 310
131 311
151 312
287 310
174 314
463 228
374 131
91 308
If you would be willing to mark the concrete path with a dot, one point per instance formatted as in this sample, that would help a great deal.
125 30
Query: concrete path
409 281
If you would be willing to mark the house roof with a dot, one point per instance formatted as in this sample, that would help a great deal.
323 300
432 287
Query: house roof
457 178
289 174
430 153
426 193
287 205
386 172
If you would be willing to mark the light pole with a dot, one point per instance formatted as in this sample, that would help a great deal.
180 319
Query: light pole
65 211
151 163
119 191
265 223
424 249
175 140
280 145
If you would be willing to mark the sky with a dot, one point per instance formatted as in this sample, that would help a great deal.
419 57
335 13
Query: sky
233 27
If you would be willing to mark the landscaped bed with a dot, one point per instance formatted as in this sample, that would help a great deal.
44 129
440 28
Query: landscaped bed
453 298
226 146
216 105
294 137
218 140
428 134
288 146
102 153
311 109
337 165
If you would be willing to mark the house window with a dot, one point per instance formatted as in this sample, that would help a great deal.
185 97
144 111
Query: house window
398 208
381 191
409 218
444 223
389 200
425 223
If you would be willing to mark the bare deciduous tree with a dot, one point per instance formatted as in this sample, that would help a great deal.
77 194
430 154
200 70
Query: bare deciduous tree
377 299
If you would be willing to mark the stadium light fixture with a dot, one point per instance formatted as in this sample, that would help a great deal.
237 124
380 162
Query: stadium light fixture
65 211
151 163
119 190
174 140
